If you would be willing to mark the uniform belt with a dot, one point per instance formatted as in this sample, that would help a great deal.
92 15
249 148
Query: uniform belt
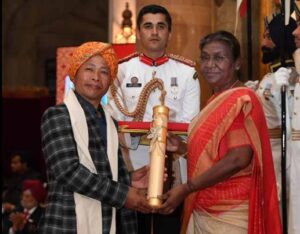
295 135
274 133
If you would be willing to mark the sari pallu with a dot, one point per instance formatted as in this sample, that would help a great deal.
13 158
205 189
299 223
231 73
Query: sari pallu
205 134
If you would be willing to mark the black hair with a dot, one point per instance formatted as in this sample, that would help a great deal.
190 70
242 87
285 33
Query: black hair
276 29
154 9
226 37
25 156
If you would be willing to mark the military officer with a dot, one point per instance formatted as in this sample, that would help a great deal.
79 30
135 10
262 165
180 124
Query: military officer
135 71
294 139
269 92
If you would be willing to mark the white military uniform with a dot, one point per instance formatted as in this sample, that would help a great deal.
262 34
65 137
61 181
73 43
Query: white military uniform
180 83
294 204
270 96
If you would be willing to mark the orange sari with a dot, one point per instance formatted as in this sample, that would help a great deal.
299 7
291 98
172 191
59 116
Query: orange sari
234 111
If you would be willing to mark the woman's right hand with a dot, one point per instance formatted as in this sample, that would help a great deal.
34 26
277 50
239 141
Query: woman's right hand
173 198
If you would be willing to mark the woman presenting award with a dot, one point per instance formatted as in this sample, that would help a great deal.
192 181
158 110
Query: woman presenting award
231 185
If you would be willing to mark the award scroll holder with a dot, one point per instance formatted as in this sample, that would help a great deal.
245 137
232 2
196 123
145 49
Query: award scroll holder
157 151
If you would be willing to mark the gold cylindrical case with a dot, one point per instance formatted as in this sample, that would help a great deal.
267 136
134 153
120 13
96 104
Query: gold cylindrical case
157 155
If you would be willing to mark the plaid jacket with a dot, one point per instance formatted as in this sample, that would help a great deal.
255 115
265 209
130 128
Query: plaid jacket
66 176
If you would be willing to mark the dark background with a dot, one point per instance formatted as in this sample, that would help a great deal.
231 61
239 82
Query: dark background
32 30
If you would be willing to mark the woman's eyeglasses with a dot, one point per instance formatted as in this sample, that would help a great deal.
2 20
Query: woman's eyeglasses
216 59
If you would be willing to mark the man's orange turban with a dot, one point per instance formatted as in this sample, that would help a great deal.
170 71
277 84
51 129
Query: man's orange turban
89 49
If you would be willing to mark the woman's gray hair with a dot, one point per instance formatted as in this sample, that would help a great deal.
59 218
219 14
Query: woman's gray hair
227 38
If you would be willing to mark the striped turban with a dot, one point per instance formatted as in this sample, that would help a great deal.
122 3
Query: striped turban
89 49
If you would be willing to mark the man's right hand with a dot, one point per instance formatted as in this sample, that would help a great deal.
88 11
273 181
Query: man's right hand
136 200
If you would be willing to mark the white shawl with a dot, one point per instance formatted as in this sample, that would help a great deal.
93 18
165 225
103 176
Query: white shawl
88 210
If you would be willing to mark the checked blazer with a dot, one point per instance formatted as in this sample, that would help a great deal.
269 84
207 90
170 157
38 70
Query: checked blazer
66 175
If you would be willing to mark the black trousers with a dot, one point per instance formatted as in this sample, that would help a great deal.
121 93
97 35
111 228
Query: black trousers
160 224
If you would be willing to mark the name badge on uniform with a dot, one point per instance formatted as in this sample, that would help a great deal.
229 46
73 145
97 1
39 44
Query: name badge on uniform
174 87
134 83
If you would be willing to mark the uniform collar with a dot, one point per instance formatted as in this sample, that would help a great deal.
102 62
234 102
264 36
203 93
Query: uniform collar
153 62
276 65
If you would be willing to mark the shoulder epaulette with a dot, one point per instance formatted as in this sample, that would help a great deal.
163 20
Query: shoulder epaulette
182 60
128 57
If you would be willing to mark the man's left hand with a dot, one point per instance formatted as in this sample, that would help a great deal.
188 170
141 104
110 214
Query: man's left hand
140 177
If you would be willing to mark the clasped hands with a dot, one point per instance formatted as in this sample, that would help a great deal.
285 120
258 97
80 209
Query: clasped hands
137 195
18 220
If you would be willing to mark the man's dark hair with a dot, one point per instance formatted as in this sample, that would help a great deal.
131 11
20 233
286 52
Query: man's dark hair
154 9
283 42
25 156
226 37
277 27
